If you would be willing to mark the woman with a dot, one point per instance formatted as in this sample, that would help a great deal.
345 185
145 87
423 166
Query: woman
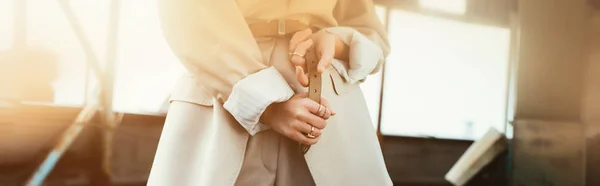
238 117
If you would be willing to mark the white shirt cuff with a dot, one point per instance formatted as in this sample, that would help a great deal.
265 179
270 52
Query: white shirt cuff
250 97
365 56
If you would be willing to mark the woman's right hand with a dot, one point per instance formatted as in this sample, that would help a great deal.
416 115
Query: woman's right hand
295 118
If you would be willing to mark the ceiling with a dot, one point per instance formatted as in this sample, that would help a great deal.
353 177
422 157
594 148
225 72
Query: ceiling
490 12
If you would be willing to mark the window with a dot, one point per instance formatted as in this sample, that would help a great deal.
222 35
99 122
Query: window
444 79
372 86
48 28
141 44
146 68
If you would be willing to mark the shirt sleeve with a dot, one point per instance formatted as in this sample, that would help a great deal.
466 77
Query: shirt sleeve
212 40
360 28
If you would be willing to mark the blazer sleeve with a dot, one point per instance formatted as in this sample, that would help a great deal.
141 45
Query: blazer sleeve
360 28
212 40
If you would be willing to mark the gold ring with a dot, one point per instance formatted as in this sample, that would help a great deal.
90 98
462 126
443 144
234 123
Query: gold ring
298 54
319 111
322 112
310 135
290 55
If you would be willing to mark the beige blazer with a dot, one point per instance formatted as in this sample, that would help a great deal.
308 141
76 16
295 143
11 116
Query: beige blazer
224 62
201 31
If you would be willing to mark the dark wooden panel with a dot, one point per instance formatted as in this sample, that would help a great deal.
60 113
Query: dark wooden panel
425 161
548 153
493 174
421 160
40 126
135 145
30 129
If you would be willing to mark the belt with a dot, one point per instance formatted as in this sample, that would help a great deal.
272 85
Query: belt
314 82
276 28
284 28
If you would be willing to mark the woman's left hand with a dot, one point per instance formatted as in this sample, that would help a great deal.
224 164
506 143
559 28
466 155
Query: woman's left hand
327 46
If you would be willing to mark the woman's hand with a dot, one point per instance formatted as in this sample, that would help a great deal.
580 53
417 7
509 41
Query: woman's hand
295 118
327 46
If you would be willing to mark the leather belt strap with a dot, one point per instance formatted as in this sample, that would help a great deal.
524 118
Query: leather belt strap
284 28
314 78
276 28
314 82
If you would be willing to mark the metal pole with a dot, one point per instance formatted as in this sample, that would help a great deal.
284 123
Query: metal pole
108 85
387 28
20 24
87 113
511 70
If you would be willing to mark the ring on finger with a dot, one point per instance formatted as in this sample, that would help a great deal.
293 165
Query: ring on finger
295 54
319 111
322 111
310 135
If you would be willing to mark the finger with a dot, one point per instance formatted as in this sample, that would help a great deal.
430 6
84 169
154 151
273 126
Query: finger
305 128
299 60
299 137
302 77
325 113
325 61
325 103
312 120
317 109
298 38
312 106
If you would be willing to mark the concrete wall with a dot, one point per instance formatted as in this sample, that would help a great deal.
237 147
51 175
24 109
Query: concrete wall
549 144
591 103
591 96
552 51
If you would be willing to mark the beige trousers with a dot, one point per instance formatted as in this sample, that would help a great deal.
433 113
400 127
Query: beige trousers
272 159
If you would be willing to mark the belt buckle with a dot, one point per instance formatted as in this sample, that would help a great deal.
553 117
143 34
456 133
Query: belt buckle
281 27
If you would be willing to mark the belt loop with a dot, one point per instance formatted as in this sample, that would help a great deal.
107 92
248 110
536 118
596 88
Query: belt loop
281 27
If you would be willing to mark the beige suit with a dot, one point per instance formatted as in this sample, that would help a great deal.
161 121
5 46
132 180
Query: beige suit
212 137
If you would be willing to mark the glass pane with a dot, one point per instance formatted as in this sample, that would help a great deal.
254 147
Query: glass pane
444 78
49 29
146 68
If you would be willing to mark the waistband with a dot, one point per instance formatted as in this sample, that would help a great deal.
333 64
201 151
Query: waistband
277 28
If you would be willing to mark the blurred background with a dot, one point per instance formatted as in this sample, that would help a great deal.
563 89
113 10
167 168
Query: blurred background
458 69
